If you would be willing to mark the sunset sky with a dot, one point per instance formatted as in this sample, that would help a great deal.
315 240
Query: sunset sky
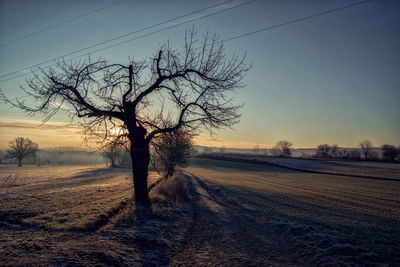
333 78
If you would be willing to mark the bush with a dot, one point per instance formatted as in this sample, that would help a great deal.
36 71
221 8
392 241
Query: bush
390 153
354 154
172 190
366 149
282 149
326 151
170 151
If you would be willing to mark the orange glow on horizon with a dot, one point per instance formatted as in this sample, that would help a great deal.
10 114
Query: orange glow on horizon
50 134
59 134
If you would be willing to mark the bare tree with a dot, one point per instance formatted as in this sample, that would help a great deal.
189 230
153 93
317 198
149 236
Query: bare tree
171 150
334 151
256 149
282 148
111 152
366 148
323 151
390 153
20 148
326 151
132 104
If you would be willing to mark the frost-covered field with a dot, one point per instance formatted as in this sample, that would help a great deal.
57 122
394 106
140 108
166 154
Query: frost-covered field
317 219
38 202
61 197
218 213
356 168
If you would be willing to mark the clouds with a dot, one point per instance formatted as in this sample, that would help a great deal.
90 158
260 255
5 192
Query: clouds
49 134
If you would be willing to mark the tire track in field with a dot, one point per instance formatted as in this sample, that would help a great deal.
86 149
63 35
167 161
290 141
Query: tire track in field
226 233
258 236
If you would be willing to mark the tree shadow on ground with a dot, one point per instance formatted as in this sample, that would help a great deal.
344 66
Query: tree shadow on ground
261 235
149 240
226 165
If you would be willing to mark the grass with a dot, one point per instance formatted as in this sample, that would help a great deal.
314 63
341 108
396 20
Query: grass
172 190
65 198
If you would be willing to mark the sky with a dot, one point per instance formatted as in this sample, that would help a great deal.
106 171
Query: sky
333 78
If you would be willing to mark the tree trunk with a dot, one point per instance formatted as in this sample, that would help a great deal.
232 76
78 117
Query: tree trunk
112 162
19 162
140 156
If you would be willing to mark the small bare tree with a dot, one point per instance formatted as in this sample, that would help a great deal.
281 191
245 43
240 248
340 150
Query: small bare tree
366 148
111 152
20 148
326 151
256 149
171 150
132 104
282 148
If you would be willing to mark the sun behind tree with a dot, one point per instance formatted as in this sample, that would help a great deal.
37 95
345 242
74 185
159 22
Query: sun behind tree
175 90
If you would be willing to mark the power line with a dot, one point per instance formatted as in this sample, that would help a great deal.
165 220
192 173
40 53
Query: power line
131 33
62 23
179 24
166 28
237 36
296 20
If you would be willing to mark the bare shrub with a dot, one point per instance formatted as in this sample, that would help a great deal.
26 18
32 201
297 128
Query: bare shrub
172 190
326 151
366 149
112 153
171 150
282 149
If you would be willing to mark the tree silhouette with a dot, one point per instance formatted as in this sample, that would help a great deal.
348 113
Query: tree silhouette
256 149
326 151
176 89
282 149
366 148
390 153
20 148
171 150
111 151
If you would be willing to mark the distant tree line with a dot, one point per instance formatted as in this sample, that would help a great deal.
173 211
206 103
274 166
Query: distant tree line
23 150
366 151
171 150
326 151
68 156
116 156
390 153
